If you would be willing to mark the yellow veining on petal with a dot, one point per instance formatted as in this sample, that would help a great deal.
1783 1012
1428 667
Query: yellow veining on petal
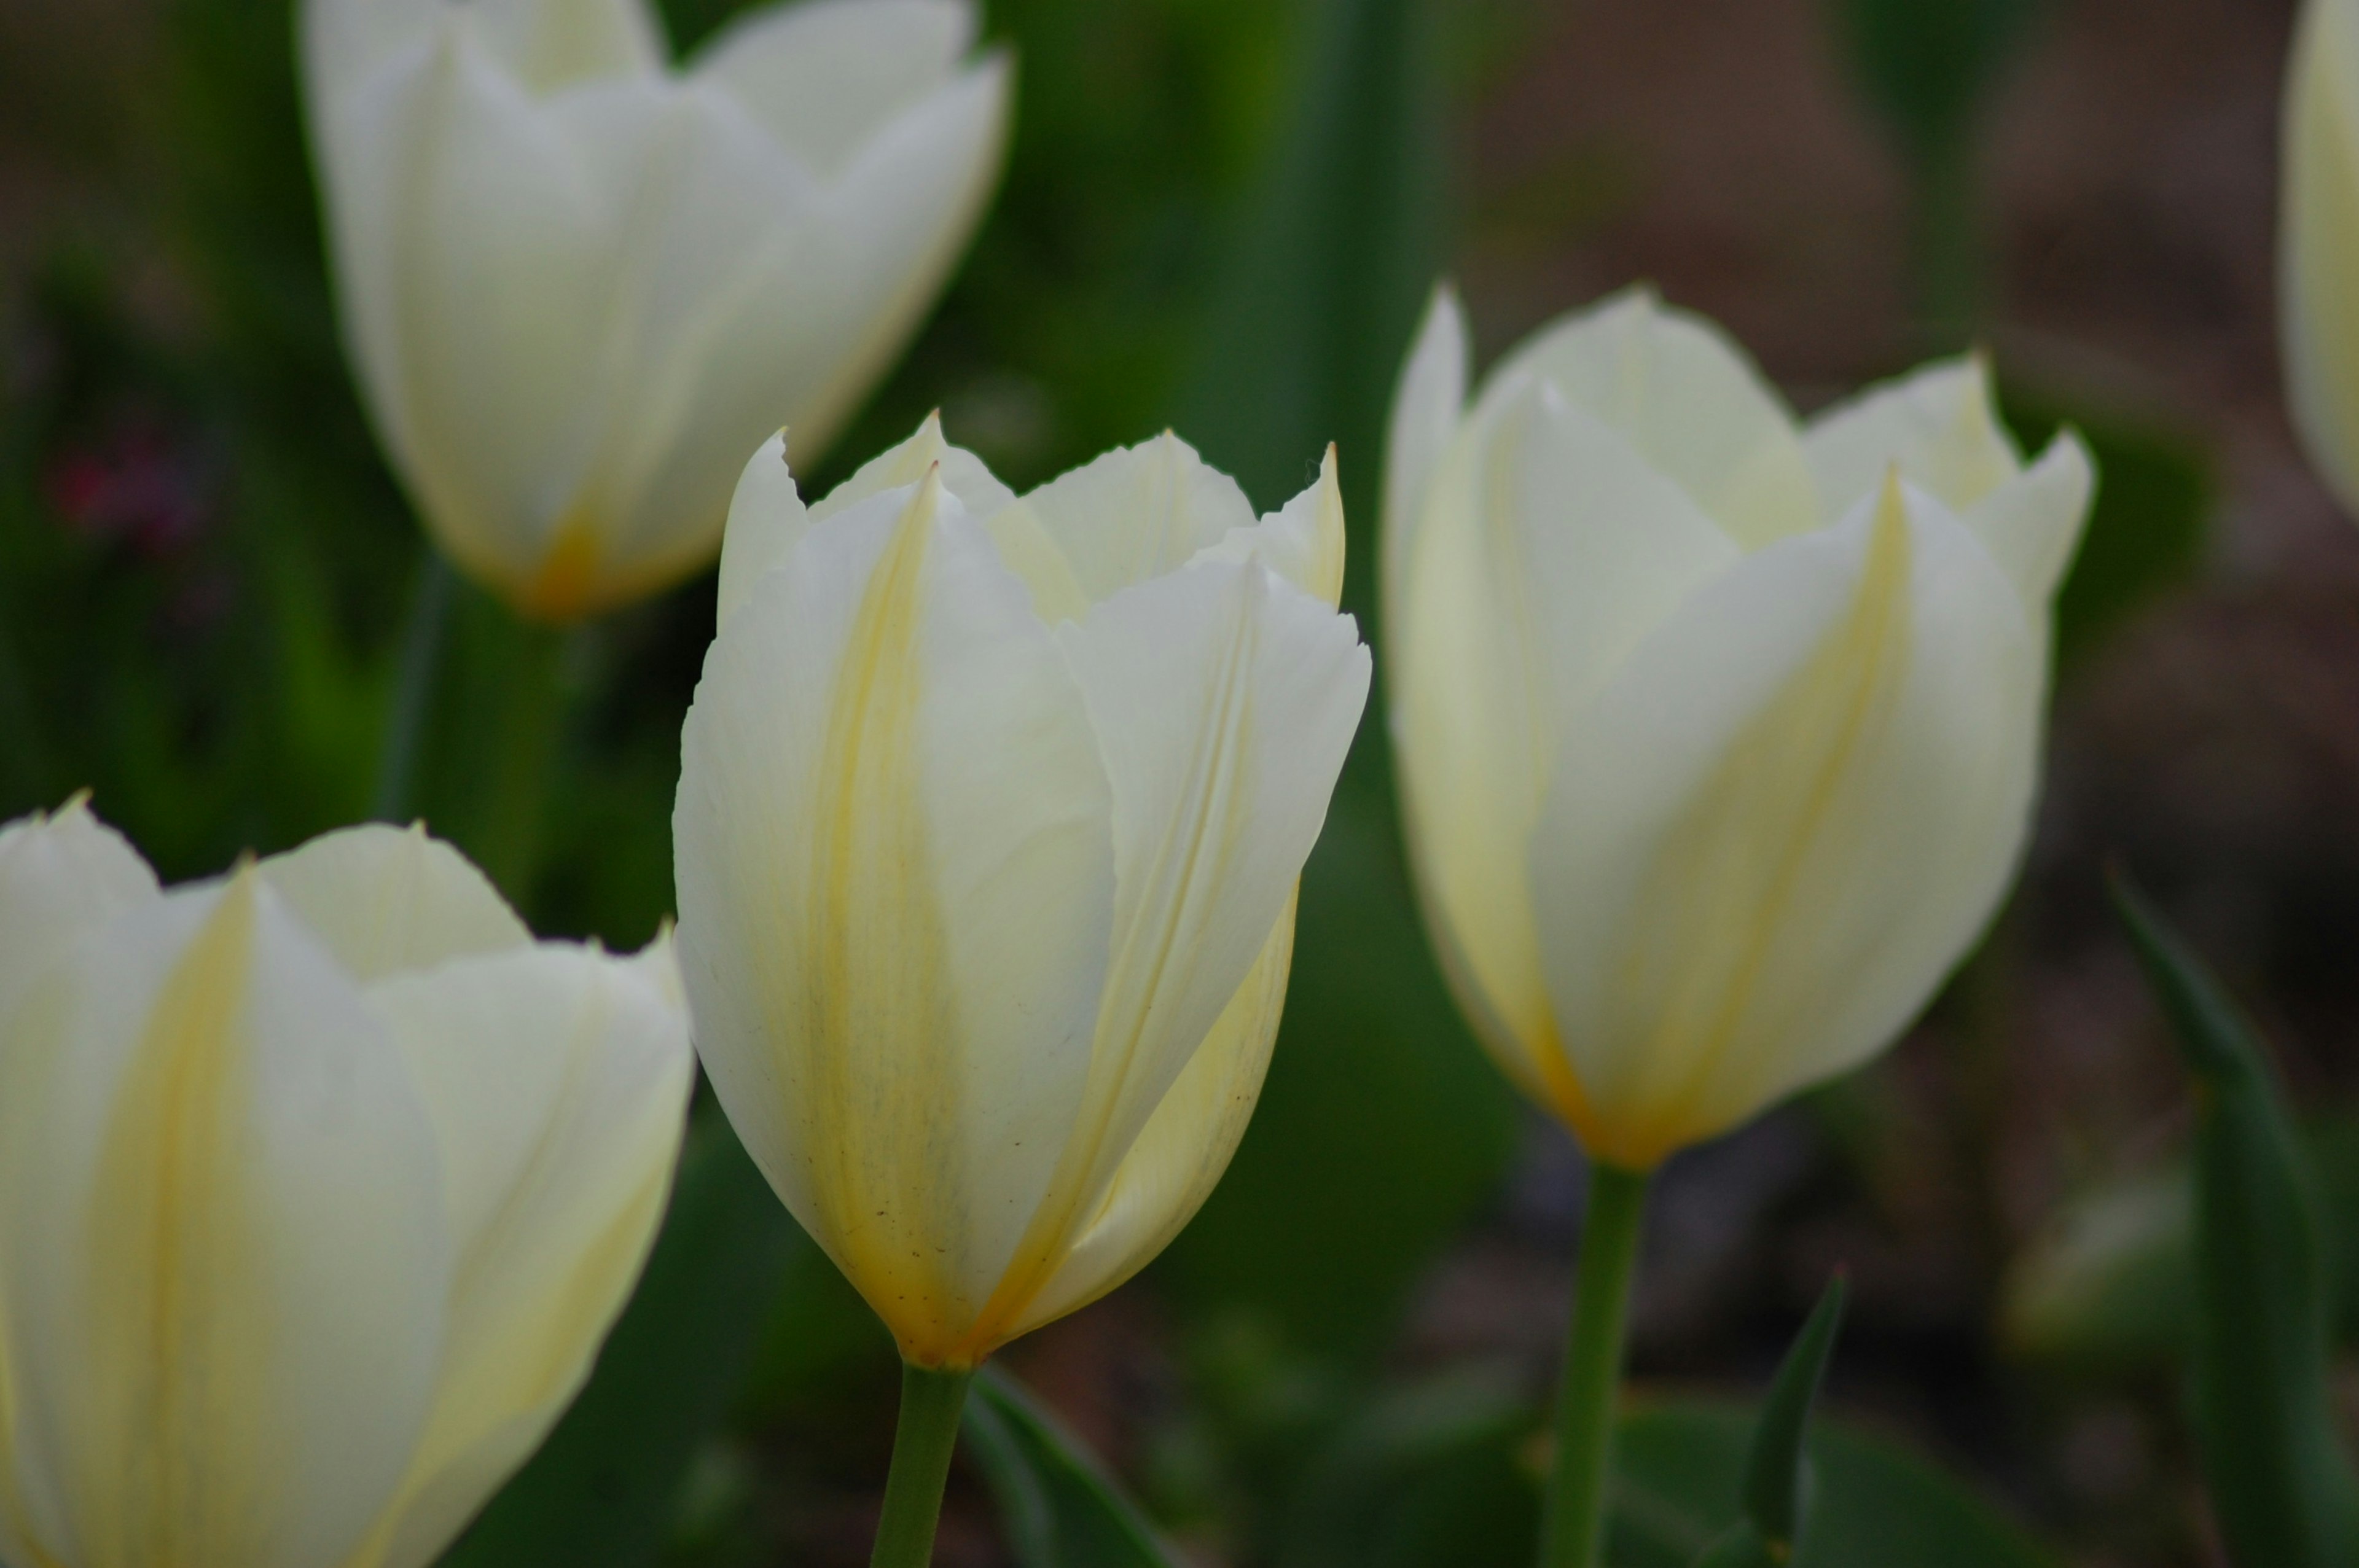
1731 866
178 1355
1146 963
881 1020
1185 1147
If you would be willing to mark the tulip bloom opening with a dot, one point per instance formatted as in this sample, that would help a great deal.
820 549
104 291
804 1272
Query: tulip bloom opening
991 814
322 1182
1718 736
1718 733
577 285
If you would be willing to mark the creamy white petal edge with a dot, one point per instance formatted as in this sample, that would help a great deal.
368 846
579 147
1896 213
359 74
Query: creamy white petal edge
989 1118
755 237
305 1236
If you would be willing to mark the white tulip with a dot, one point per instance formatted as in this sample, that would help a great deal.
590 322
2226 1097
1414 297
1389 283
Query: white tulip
2318 250
991 814
578 285
320 1185
1717 736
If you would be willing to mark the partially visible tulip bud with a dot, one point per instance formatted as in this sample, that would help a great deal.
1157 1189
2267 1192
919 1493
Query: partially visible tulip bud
320 1185
577 285
2317 247
1718 737
991 814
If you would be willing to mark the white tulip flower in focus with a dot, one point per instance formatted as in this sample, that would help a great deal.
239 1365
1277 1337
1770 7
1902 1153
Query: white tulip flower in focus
320 1185
578 285
991 814
1718 733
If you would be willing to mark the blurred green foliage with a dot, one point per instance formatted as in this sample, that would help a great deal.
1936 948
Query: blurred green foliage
2259 1364
1926 69
1928 65
2109 1290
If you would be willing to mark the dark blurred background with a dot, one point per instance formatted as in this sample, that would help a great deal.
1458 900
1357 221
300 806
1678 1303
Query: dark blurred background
1224 214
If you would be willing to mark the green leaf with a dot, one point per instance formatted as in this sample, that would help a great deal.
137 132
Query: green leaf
1775 1476
604 1490
2258 1399
1874 1502
1058 1507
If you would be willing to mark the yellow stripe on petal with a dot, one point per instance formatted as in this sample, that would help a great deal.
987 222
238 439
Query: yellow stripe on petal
184 1351
1728 873
877 977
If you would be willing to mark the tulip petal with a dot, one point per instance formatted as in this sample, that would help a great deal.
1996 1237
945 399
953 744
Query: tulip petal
1132 515
384 899
708 231
556 1078
1687 399
346 40
1223 699
223 1265
1548 550
472 315
768 516
1426 409
766 520
62 875
1774 833
895 869
825 76
1302 541
2032 523
2318 250
1937 424
1185 1146
554 44
964 474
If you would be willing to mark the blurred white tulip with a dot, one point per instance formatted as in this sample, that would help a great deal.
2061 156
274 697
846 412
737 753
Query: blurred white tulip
1717 736
578 285
320 1185
991 814
2318 248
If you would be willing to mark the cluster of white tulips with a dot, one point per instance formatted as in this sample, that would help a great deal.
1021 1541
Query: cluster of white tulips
1718 734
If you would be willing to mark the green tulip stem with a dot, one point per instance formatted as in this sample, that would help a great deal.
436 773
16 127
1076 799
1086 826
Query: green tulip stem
413 691
1572 1525
931 1402
530 701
